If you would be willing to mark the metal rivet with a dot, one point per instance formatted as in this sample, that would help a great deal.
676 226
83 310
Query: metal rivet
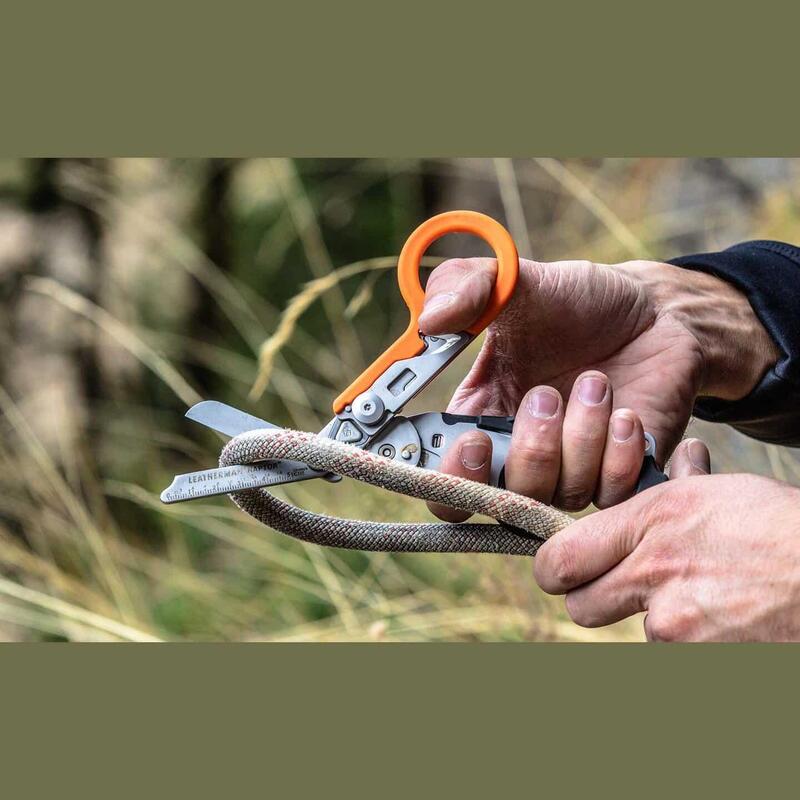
408 451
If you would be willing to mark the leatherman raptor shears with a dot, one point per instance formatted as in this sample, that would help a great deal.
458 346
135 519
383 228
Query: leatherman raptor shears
367 413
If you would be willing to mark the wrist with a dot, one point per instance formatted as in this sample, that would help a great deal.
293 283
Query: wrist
736 348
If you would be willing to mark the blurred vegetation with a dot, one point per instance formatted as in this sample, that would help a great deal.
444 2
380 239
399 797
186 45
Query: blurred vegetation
132 287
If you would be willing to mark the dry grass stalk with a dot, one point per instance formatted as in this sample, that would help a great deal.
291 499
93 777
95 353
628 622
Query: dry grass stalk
581 192
52 482
317 255
72 612
512 203
122 334
300 303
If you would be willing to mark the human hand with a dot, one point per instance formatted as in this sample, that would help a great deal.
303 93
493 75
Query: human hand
714 558
661 335
566 454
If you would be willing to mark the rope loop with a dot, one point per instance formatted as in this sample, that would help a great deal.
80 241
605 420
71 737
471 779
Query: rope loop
525 523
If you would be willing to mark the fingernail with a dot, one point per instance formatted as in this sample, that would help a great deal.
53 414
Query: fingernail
592 391
698 455
474 454
621 427
543 403
437 301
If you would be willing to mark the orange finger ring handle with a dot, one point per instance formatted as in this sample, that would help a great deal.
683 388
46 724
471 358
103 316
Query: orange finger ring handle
411 343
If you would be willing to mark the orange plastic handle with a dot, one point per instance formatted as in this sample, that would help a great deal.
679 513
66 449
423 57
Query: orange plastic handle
411 343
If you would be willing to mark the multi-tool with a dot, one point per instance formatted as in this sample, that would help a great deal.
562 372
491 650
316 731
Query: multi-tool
368 413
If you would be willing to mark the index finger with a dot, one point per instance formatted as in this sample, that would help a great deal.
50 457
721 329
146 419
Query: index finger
594 544
470 456
457 292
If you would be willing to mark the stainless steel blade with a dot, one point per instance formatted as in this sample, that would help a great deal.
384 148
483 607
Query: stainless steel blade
224 480
225 419
231 422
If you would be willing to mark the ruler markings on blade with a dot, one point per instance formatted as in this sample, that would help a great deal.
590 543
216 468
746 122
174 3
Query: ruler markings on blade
225 480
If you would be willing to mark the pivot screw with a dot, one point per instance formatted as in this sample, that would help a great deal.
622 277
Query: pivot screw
368 407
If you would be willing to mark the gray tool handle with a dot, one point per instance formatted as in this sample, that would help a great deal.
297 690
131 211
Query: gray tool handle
650 474
500 427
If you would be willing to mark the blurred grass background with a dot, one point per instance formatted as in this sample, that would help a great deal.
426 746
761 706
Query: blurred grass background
131 288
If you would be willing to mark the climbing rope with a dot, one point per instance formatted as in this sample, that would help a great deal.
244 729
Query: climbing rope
525 523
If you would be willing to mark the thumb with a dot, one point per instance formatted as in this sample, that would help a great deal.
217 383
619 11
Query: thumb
457 292
691 457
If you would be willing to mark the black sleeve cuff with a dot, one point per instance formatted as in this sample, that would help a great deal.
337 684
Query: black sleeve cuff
768 273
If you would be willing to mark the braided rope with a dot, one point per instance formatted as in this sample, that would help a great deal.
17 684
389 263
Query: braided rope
532 521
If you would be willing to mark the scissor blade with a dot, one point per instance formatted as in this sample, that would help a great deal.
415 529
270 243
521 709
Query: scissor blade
224 480
225 419
231 421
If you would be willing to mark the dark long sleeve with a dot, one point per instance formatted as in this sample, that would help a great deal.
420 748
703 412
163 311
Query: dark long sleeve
769 275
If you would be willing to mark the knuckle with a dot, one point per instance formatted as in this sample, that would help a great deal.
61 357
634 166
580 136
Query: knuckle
536 455
659 628
685 624
657 560
638 264
452 266
555 568
655 569
691 499
564 571
582 264
455 270
672 625
573 498
618 475
584 436
533 273
608 498
662 504
616 484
